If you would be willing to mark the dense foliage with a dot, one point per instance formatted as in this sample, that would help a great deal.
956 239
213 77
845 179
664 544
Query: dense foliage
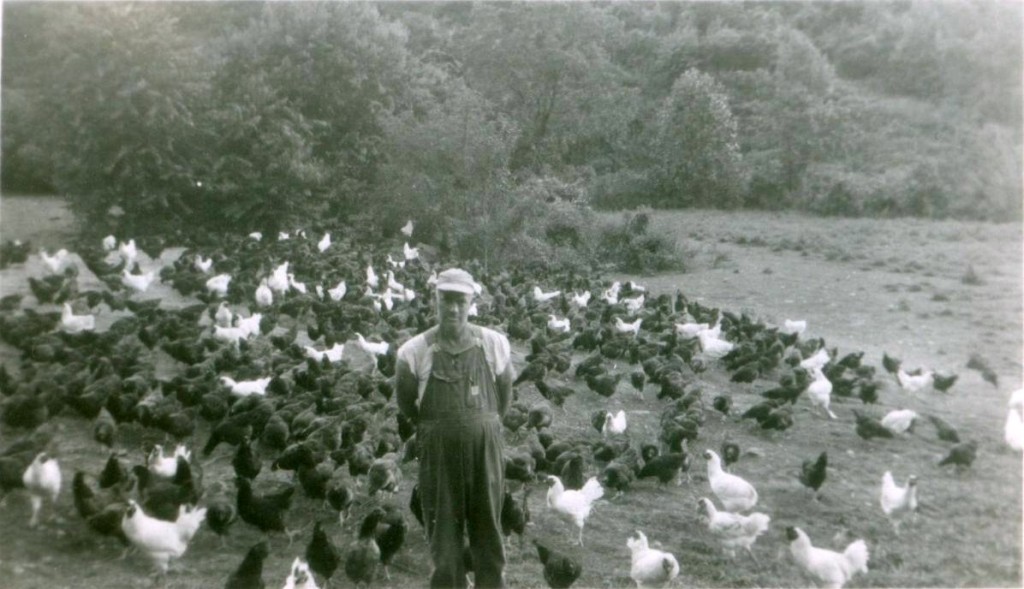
491 122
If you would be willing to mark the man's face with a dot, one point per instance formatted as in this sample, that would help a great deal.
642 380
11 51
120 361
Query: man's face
453 308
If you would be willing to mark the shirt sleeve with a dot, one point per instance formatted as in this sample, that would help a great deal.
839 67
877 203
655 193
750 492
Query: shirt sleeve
502 353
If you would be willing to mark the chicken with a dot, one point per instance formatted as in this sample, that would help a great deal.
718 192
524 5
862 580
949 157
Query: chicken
104 429
914 383
813 473
868 427
712 346
650 567
542 297
794 327
407 228
166 466
557 325
833 569
101 510
732 529
332 354
71 323
735 493
816 361
898 501
961 455
943 430
820 392
900 421
245 388
573 505
42 480
560 571
1013 430
665 467
138 282
374 348
300 577
581 299
363 556
623 327
943 382
515 516
160 540
218 285
249 574
384 475
614 424
390 536
266 512
322 554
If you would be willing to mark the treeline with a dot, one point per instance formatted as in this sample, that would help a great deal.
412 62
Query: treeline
495 122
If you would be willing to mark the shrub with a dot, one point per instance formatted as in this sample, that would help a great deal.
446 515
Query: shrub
629 246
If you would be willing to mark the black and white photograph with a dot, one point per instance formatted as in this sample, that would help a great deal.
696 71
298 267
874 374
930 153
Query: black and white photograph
511 294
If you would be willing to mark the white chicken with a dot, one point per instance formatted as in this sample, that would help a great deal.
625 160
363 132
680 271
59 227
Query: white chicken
166 466
190 518
57 262
375 348
231 335
915 383
138 282
407 228
202 265
735 493
333 354
833 569
256 235
543 297
296 285
817 361
574 505
246 388
558 325
300 577
109 243
338 292
634 305
650 567
623 327
900 421
372 280
734 530
218 284
71 323
581 299
819 391
394 284
790 326
410 253
129 252
42 480
614 424
712 346
690 330
264 296
159 540
898 501
250 324
223 315
324 243
278 280
1013 430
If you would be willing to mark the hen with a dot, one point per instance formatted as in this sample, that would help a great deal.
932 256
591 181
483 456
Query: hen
160 540
249 574
650 567
300 577
363 556
42 480
560 571
735 493
574 505
732 529
266 512
813 473
897 501
833 569
322 554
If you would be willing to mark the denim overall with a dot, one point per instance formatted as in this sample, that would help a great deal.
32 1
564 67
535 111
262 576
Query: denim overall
462 474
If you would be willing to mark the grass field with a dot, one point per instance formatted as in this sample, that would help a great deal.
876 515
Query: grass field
900 286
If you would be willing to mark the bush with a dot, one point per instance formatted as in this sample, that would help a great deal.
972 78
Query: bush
629 246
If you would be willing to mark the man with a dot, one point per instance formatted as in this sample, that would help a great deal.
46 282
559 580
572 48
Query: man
455 382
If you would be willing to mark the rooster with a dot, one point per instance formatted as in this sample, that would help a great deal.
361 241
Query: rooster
650 567
574 505
833 569
159 540
897 501
732 529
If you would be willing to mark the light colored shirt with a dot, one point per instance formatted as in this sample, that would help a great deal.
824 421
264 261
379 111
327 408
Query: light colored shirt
417 354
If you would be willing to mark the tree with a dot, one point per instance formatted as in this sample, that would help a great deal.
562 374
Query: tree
699 161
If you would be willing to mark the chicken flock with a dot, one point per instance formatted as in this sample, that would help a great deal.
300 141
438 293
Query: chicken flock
281 392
